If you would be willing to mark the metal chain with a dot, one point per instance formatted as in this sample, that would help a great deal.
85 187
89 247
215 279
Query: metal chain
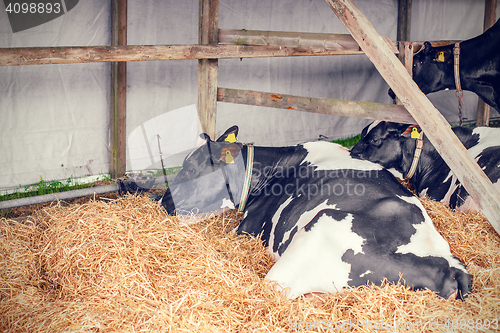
460 95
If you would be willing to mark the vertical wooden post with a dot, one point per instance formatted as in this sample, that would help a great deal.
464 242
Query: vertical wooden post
208 68
403 34
490 15
404 20
432 122
118 110
406 57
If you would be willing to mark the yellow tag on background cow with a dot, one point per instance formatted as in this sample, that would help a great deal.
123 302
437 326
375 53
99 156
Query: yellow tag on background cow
414 133
231 138
440 56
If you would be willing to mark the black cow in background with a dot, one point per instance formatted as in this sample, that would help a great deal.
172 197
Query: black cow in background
390 145
433 67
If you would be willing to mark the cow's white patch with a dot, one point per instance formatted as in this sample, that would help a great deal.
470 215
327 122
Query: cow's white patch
451 189
226 203
395 173
332 156
304 219
366 273
488 137
427 241
312 261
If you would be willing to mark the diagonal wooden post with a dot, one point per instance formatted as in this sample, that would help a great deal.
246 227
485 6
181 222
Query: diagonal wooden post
435 126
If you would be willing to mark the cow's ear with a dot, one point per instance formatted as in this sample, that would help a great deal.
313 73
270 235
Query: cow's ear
427 47
396 128
205 136
229 153
411 129
230 135
442 55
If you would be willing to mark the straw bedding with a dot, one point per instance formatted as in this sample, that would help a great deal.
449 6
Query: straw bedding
127 266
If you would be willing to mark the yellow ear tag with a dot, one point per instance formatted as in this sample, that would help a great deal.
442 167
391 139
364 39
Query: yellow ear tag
231 138
440 57
229 158
414 133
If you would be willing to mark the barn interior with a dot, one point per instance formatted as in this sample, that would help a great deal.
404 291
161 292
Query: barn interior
58 125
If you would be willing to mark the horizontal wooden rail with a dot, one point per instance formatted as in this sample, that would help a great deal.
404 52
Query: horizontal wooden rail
294 44
338 42
68 55
329 106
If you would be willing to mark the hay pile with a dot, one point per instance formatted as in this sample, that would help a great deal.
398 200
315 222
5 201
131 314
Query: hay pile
126 266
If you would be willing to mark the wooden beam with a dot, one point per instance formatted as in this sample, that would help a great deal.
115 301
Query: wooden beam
490 15
330 106
84 54
332 42
118 110
404 20
208 68
435 126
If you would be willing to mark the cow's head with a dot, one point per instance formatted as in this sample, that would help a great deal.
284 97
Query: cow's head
380 143
432 69
210 178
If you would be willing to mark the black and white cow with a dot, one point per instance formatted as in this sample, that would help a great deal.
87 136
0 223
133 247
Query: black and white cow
433 67
390 145
330 220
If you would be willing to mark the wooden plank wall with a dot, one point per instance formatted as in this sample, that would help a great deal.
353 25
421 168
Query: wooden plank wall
118 107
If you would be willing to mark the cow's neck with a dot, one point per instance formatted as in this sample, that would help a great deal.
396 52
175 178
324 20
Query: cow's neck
479 64
269 161
428 166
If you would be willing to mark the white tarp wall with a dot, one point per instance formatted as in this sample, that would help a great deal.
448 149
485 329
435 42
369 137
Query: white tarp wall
55 118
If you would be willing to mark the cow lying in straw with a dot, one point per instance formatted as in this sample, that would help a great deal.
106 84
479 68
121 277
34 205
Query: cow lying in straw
393 146
330 221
